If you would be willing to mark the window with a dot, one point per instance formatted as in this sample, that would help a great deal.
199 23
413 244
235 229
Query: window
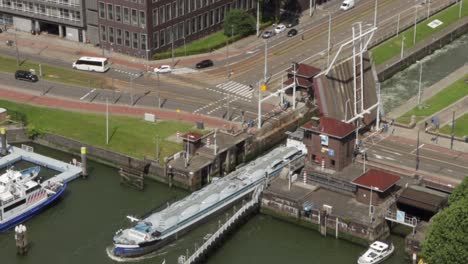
314 157
127 38
187 27
162 17
181 30
174 9
155 17
103 33
119 36
169 35
333 163
156 39
126 15
102 10
135 40
162 38
118 13
142 19
144 42
168 12
134 17
111 34
110 12
13 206
180 8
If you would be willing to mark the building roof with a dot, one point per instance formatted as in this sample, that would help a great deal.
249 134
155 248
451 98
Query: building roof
192 136
423 198
304 70
300 82
379 181
331 127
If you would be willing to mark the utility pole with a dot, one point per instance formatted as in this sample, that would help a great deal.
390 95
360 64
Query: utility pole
419 85
428 8
329 39
378 107
415 23
159 94
375 14
294 89
402 46
172 46
417 152
16 48
453 130
131 91
460 10
398 25
266 55
157 147
258 18
107 121
259 123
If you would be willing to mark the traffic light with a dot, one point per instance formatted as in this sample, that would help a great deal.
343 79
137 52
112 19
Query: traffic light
263 87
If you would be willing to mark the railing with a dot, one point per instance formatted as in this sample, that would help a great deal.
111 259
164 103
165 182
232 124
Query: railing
225 226
27 148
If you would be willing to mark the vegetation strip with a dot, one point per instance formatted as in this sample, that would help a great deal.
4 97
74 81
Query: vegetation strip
461 127
392 47
439 101
127 135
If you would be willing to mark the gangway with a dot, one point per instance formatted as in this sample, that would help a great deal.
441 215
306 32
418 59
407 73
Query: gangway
226 226
400 217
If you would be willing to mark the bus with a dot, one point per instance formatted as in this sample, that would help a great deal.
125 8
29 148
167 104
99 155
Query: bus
91 64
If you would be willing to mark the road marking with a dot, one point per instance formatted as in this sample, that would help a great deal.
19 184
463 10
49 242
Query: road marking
135 74
183 70
236 88
414 150
87 94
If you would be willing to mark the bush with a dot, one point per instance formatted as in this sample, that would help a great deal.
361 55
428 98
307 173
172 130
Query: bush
239 22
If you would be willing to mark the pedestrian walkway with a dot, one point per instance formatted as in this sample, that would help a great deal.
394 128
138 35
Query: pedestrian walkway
54 102
236 88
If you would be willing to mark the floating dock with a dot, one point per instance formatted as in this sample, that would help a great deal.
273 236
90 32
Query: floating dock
68 172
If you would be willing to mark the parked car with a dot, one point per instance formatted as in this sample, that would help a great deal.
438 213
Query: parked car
268 34
292 32
347 4
163 69
280 28
204 64
1 30
26 75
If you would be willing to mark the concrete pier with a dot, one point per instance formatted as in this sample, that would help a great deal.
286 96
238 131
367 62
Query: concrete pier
84 163
21 239
3 149
68 172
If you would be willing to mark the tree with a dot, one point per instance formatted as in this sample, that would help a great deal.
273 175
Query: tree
459 193
239 22
448 236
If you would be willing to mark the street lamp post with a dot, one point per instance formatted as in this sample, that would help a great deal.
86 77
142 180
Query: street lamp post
185 48
419 84
294 81
266 55
375 13
428 8
398 25
460 10
258 18
131 91
415 23
16 48
107 121
158 89
329 39
172 47
402 46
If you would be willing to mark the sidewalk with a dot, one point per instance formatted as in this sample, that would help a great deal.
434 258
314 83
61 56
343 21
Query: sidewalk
61 103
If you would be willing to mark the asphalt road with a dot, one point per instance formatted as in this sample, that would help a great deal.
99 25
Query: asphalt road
403 155
206 92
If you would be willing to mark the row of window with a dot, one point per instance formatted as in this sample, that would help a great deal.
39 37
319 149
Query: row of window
163 13
125 38
122 14
41 9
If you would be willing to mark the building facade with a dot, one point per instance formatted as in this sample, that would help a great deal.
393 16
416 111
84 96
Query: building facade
61 17
142 28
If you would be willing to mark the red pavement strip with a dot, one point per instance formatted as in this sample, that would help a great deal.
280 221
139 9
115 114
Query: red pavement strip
53 102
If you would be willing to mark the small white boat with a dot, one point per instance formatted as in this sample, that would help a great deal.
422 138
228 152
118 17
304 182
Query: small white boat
377 252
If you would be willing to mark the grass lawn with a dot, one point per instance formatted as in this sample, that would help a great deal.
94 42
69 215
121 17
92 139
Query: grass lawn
392 47
53 73
442 99
461 127
206 44
131 136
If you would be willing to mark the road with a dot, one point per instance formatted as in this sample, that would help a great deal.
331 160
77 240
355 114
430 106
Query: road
402 154
227 86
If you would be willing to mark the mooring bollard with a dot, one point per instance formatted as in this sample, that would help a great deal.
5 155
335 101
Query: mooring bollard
21 239
3 151
84 172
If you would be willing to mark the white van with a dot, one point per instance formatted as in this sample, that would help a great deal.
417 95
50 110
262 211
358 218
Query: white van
347 4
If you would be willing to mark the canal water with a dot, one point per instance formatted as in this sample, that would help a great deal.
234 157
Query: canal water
80 226
435 67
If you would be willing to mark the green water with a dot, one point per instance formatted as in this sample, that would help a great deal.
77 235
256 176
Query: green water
79 228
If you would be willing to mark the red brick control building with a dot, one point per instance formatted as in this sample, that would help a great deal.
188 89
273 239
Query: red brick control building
192 141
381 183
329 142
304 78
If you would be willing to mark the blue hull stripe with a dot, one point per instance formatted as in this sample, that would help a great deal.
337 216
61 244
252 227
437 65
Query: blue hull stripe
32 212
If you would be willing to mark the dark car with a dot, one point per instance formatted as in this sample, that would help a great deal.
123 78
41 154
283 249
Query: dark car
204 64
268 34
292 22
26 75
292 32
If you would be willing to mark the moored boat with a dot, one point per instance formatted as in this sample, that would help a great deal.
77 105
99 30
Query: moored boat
22 196
377 252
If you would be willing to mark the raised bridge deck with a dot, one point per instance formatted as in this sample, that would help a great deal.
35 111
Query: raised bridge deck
68 172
